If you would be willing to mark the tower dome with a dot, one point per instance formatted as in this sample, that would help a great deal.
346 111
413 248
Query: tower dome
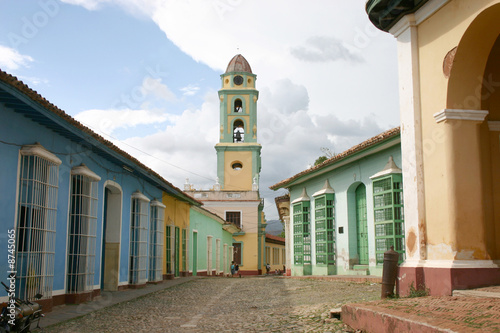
238 64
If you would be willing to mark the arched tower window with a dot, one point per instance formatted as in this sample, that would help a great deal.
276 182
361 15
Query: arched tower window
238 131
238 106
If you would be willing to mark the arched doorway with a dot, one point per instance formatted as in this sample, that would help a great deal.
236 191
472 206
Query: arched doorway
474 89
361 224
111 231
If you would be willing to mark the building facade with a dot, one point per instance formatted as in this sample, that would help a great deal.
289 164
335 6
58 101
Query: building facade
449 78
235 197
82 215
344 213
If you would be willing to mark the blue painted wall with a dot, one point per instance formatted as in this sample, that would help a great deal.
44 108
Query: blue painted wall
17 130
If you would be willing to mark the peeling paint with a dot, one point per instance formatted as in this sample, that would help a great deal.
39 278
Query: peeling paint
411 242
441 252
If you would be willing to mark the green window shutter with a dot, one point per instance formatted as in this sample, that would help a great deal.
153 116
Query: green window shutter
325 229
301 233
389 215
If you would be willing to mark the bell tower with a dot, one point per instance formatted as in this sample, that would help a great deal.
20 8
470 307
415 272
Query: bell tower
238 153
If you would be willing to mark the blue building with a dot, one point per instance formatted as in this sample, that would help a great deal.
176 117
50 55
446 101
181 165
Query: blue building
84 213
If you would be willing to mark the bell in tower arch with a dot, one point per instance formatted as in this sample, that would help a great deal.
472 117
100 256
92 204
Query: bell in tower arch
238 132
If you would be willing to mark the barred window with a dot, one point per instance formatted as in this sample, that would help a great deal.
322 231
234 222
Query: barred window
36 222
156 241
325 228
234 217
139 239
388 212
82 230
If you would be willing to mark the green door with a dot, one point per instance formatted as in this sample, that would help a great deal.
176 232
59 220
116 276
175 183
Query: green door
177 250
195 253
361 224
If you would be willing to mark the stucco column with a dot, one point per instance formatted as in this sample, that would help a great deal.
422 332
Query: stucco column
411 140
464 191
288 245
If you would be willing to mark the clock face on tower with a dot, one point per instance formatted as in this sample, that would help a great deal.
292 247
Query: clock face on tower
238 79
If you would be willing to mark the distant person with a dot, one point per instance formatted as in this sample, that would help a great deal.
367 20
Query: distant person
236 269
268 268
233 268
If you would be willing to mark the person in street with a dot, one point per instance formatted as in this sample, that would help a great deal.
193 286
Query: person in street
232 268
268 268
236 269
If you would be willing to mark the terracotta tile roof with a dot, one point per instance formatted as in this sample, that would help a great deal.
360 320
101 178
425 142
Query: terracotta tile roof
40 100
275 238
349 152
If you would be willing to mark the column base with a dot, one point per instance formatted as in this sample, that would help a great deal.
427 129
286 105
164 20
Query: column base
441 281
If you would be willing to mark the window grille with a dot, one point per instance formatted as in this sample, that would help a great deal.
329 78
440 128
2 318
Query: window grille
36 222
276 256
325 229
301 230
156 241
234 217
169 238
184 250
389 217
268 254
139 239
82 230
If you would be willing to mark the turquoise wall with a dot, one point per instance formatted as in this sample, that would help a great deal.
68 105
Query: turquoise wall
344 181
207 226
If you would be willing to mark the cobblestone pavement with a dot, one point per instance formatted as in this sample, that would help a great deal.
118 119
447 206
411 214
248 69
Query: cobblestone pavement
249 304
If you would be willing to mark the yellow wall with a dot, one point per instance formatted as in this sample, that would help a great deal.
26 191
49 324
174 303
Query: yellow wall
456 160
238 180
250 238
177 214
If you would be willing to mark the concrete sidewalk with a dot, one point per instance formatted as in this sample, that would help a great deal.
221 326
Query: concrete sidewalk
66 312
475 310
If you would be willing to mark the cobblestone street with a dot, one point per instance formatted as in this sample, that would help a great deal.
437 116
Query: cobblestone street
249 304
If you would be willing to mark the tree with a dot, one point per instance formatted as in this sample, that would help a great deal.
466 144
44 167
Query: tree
320 160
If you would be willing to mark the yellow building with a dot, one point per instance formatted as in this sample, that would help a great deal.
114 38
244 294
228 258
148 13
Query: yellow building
176 237
235 197
449 78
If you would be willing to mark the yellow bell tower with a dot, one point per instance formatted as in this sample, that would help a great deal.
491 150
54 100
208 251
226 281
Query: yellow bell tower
238 153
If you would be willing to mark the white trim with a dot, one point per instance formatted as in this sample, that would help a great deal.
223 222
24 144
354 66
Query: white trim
453 263
494 126
156 203
138 195
83 170
38 150
459 114
58 292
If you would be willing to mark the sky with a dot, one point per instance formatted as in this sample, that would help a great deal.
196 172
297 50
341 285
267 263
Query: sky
144 74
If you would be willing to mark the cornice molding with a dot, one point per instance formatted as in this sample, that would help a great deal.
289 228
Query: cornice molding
459 114
494 126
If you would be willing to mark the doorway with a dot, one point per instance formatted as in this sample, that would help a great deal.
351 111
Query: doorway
111 230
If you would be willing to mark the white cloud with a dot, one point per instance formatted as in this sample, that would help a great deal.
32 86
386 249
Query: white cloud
326 77
11 59
190 90
106 122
